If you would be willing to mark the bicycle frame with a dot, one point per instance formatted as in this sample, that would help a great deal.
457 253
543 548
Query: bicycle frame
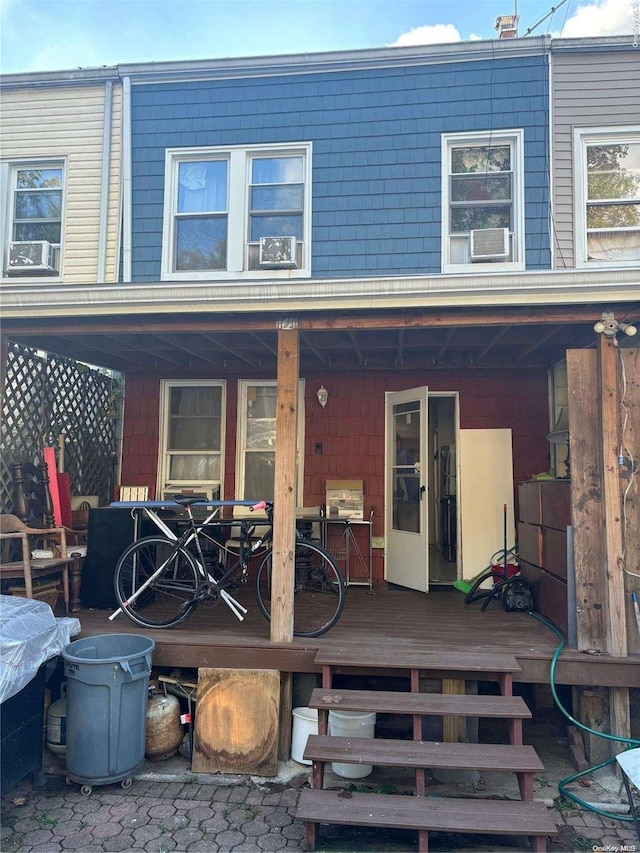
248 547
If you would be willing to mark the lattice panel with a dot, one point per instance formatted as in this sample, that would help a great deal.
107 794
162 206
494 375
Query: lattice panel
46 395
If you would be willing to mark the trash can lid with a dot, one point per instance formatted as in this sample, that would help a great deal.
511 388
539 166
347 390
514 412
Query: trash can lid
108 647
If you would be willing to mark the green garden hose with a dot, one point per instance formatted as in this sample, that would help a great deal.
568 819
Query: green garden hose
631 742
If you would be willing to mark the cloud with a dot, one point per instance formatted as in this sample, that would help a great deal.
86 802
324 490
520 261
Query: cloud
601 18
436 34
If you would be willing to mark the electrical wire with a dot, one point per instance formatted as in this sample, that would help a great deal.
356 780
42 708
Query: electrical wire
631 742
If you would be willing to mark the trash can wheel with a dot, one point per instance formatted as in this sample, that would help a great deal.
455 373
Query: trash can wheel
85 790
126 783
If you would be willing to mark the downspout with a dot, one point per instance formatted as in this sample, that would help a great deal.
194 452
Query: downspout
104 188
552 217
126 179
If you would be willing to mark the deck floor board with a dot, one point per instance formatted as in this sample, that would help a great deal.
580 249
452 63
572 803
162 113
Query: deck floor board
435 622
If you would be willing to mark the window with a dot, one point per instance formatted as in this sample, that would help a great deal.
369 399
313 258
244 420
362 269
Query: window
257 439
35 218
192 437
482 192
220 202
607 197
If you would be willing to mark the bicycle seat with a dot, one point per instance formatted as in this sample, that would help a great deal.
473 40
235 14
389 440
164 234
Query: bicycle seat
187 500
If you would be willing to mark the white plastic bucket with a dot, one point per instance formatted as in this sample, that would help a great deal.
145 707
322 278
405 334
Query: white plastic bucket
352 724
305 723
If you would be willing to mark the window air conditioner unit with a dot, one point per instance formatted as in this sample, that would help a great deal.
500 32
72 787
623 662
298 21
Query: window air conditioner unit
278 252
489 244
31 257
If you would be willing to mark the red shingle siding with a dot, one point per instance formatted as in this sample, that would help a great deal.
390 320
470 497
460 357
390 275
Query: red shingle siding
351 427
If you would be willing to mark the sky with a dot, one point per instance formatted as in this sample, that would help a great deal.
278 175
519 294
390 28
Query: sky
52 35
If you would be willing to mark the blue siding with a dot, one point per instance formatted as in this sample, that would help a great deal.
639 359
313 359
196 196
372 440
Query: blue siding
376 138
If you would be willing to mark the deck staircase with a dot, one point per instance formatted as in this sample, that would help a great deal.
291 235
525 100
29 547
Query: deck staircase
420 812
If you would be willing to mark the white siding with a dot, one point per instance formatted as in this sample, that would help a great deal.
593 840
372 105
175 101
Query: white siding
68 122
589 89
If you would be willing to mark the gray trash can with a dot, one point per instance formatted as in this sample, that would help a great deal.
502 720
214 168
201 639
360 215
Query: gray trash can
107 686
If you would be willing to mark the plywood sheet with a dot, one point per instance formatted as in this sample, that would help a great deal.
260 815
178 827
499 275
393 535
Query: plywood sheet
236 728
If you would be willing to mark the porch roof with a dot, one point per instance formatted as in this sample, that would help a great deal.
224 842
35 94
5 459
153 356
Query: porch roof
479 321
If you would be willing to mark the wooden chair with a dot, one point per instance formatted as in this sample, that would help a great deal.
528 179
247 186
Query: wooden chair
34 507
33 502
51 539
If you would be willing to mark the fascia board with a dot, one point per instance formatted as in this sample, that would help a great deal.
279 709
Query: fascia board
534 288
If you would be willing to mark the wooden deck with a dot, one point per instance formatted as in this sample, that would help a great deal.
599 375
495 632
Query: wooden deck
440 620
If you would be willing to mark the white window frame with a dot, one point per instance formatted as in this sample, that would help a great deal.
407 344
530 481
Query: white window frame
515 138
241 438
581 138
8 172
239 172
164 484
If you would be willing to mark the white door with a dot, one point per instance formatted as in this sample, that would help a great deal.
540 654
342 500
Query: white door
485 496
406 478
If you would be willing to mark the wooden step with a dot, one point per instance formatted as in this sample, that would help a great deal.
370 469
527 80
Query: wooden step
442 814
445 665
424 704
399 657
389 752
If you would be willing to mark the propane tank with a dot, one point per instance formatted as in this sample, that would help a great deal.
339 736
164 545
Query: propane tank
57 723
164 729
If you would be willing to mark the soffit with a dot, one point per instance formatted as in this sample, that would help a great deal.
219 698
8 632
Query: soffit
246 344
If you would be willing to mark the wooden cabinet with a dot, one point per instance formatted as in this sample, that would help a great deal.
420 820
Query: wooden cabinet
544 515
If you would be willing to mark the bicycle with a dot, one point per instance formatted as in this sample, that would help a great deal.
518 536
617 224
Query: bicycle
160 580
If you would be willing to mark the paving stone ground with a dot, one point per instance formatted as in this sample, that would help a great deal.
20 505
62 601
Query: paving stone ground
192 817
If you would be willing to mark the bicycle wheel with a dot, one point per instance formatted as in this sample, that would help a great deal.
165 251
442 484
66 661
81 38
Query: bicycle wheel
165 602
319 590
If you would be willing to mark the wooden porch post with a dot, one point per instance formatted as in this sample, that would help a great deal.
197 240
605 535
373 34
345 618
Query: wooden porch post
586 498
596 512
615 616
631 488
284 497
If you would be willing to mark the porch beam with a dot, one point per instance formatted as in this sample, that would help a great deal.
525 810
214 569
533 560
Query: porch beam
284 497
339 322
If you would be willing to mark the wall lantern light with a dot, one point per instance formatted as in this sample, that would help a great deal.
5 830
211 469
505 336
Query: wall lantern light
323 395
